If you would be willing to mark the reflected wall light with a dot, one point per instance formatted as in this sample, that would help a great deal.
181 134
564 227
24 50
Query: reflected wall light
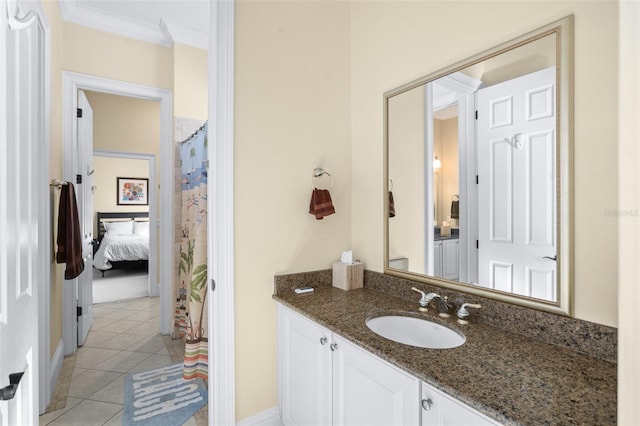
436 162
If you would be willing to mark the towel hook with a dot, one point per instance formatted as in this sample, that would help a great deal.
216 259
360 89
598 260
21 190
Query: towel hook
390 185
317 172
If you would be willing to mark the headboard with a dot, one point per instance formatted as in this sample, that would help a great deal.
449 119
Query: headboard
115 216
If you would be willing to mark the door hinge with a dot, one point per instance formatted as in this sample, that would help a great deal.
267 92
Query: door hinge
213 285
79 112
79 311
476 114
78 179
8 392
477 180
477 244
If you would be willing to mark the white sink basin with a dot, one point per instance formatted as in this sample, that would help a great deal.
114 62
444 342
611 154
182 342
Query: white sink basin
416 332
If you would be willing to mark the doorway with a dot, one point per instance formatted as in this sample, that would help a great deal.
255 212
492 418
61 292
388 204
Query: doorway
73 82
131 279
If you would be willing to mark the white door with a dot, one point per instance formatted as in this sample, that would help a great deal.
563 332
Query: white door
23 190
304 370
517 186
369 391
84 193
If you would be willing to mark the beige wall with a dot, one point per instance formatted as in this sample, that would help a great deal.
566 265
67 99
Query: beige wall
291 103
55 165
125 124
291 113
190 82
449 173
103 54
81 49
395 42
406 165
107 170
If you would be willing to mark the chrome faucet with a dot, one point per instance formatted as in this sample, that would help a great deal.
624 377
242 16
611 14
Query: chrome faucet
426 298
463 313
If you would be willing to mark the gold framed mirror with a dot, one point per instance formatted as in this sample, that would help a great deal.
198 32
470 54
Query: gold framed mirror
478 173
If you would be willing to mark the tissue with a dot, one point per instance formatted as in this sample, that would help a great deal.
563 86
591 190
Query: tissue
347 257
445 229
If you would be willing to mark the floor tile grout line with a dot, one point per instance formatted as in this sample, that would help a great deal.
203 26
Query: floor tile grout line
110 418
147 315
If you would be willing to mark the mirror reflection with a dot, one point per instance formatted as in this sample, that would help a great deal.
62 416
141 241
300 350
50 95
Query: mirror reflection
472 167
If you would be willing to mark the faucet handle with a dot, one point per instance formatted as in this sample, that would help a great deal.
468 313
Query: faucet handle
463 313
424 301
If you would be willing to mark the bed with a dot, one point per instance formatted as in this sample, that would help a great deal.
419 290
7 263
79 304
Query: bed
123 241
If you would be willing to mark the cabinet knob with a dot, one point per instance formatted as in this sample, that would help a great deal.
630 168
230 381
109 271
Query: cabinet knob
323 340
334 347
427 404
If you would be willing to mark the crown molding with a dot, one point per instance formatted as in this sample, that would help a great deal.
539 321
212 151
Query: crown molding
165 33
184 35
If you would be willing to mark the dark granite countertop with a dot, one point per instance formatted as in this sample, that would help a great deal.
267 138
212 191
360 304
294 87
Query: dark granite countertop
515 379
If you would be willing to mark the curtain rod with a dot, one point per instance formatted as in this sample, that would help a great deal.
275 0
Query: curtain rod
194 133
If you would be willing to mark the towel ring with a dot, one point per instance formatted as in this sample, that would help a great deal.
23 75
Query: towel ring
455 197
317 172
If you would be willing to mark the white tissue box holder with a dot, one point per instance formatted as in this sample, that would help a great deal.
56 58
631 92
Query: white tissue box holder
348 276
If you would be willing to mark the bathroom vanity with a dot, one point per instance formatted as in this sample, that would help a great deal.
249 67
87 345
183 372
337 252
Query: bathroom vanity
334 370
325 379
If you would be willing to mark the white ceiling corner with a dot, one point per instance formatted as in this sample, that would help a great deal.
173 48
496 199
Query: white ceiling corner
162 22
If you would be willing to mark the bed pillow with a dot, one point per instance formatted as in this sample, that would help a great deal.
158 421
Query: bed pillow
141 228
119 228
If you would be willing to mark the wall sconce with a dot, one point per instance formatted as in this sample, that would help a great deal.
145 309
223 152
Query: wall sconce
436 162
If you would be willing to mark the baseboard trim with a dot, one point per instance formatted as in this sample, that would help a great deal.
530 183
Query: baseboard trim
269 417
55 367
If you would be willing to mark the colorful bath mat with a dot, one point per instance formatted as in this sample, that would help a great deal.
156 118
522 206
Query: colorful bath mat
161 397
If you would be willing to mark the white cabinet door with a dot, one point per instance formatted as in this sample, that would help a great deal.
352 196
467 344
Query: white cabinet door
369 391
304 370
439 409
437 259
450 259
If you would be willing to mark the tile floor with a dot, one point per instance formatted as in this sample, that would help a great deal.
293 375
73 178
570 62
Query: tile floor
123 339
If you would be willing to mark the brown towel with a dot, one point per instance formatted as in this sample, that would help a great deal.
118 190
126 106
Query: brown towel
455 209
69 238
392 205
321 204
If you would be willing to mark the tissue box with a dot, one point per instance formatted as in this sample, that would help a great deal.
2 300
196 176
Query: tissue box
445 231
348 276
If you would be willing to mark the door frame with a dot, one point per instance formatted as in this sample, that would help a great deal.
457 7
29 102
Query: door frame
220 225
153 290
72 82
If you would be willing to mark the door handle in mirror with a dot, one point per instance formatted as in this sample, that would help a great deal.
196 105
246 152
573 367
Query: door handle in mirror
554 258
8 392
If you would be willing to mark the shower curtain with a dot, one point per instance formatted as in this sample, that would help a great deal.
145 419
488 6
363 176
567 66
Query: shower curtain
191 308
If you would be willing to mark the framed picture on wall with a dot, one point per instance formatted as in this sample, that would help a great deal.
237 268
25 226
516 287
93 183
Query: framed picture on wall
132 191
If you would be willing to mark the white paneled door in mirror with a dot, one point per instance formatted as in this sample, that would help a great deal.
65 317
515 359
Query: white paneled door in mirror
480 153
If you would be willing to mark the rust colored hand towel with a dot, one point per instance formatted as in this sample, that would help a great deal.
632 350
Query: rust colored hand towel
392 205
69 239
321 204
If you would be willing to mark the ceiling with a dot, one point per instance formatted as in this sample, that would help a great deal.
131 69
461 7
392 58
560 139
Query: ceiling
162 22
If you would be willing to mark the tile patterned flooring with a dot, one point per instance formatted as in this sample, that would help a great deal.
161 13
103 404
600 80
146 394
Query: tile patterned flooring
123 339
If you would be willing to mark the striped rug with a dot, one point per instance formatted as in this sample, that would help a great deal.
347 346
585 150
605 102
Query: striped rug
161 397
